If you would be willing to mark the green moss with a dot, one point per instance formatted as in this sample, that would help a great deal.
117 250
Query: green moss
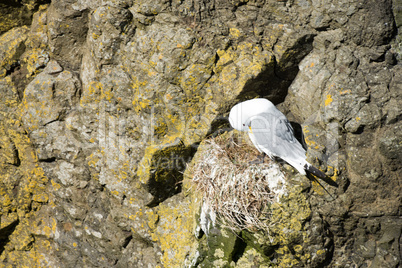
253 258
218 248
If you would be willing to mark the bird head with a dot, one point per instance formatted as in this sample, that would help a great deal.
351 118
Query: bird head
241 113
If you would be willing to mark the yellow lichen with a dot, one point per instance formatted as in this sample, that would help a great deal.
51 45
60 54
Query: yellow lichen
328 100
235 33
22 250
174 231
287 220
12 45
91 94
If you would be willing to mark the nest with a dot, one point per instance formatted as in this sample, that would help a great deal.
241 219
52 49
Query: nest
239 193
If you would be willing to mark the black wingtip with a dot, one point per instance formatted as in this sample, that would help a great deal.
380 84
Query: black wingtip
315 171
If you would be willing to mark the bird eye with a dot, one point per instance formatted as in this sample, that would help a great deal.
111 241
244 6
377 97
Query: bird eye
244 125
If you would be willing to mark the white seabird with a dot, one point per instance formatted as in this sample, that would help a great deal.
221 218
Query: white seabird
271 133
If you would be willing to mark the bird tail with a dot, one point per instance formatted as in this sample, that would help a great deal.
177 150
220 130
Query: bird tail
303 165
315 171
296 164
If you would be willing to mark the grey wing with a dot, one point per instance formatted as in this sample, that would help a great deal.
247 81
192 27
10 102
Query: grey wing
275 134
284 130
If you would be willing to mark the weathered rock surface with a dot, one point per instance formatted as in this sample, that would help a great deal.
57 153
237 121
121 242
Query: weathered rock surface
104 103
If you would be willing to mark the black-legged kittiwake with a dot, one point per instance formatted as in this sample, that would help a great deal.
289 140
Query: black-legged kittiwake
271 133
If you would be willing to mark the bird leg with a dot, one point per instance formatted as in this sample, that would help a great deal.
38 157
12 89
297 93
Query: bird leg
259 160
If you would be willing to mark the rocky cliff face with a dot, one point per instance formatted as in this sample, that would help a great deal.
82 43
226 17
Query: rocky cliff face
104 105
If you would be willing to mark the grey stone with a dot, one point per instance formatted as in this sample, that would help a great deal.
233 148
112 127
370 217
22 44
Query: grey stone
390 142
103 106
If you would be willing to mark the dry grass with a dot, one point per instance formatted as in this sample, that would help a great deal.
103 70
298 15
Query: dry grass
239 193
